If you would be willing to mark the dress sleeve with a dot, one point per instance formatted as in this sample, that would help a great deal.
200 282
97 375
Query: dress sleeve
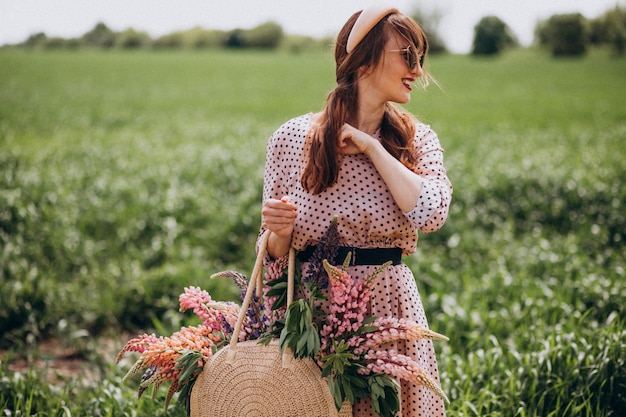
274 177
431 210
274 174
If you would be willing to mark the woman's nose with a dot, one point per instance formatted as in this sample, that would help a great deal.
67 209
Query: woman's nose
417 70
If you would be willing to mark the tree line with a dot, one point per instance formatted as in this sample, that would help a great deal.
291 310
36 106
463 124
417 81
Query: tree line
269 35
561 34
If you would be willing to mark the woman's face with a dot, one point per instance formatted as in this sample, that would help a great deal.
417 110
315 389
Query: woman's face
392 79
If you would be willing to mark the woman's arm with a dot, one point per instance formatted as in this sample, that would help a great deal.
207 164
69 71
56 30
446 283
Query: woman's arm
424 194
278 212
279 217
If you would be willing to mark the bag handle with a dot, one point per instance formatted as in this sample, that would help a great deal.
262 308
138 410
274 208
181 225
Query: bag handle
256 281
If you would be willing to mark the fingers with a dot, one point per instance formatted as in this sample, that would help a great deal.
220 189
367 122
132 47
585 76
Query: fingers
346 143
353 141
282 206
279 216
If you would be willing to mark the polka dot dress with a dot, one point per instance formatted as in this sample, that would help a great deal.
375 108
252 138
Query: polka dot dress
369 217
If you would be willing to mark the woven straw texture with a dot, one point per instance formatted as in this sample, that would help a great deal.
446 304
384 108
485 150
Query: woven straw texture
251 380
256 384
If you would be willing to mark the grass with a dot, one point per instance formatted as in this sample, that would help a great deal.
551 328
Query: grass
126 176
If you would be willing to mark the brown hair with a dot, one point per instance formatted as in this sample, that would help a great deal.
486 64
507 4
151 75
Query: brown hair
397 129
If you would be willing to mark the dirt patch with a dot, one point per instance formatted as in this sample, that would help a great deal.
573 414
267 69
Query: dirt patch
61 361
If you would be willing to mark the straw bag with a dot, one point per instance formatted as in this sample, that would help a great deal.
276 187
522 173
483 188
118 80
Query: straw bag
247 379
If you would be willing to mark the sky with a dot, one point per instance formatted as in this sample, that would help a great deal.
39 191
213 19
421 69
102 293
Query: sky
72 18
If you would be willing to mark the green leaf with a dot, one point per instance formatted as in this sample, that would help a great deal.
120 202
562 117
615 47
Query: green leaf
384 395
326 370
301 346
299 333
278 288
367 329
274 282
188 362
280 301
335 390
347 389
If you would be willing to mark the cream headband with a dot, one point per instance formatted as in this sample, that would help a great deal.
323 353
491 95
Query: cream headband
365 22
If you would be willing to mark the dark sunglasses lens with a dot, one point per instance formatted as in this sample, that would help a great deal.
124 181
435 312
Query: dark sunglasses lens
410 58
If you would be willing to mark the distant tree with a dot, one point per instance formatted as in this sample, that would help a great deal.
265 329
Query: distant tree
172 40
209 38
491 36
610 29
132 39
55 43
235 39
617 22
99 37
72 43
266 35
429 22
301 43
192 38
598 31
564 34
37 39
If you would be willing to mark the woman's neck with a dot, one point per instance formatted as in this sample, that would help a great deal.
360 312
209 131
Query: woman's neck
369 119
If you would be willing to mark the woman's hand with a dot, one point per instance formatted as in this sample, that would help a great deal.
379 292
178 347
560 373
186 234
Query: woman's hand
405 185
279 217
353 141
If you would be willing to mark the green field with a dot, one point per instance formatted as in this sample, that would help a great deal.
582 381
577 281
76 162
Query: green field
126 176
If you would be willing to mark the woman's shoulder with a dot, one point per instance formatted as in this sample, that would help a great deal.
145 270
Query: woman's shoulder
295 127
425 137
422 128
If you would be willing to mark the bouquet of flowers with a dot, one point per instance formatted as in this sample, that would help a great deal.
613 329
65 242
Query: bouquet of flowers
327 322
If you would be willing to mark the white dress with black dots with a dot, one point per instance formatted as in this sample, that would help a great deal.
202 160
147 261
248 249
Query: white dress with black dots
369 217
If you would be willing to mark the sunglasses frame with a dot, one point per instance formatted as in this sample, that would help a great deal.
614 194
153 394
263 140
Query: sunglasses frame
410 57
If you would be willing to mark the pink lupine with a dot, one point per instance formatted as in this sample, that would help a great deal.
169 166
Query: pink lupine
228 310
400 367
160 354
274 270
212 313
390 329
194 298
348 299
137 344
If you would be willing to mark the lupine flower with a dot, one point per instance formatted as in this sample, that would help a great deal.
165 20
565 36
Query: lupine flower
256 323
238 278
160 354
274 271
401 367
146 376
389 329
198 300
138 344
349 299
229 312
326 248
211 312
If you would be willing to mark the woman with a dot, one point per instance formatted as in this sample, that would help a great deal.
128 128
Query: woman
374 167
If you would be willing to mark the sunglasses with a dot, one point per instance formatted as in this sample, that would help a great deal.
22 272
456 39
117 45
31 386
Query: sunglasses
410 56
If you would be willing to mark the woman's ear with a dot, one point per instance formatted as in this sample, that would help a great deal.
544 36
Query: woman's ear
364 71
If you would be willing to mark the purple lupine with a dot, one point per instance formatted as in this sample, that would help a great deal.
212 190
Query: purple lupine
146 376
326 248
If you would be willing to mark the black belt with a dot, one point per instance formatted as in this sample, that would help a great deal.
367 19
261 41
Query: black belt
360 256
